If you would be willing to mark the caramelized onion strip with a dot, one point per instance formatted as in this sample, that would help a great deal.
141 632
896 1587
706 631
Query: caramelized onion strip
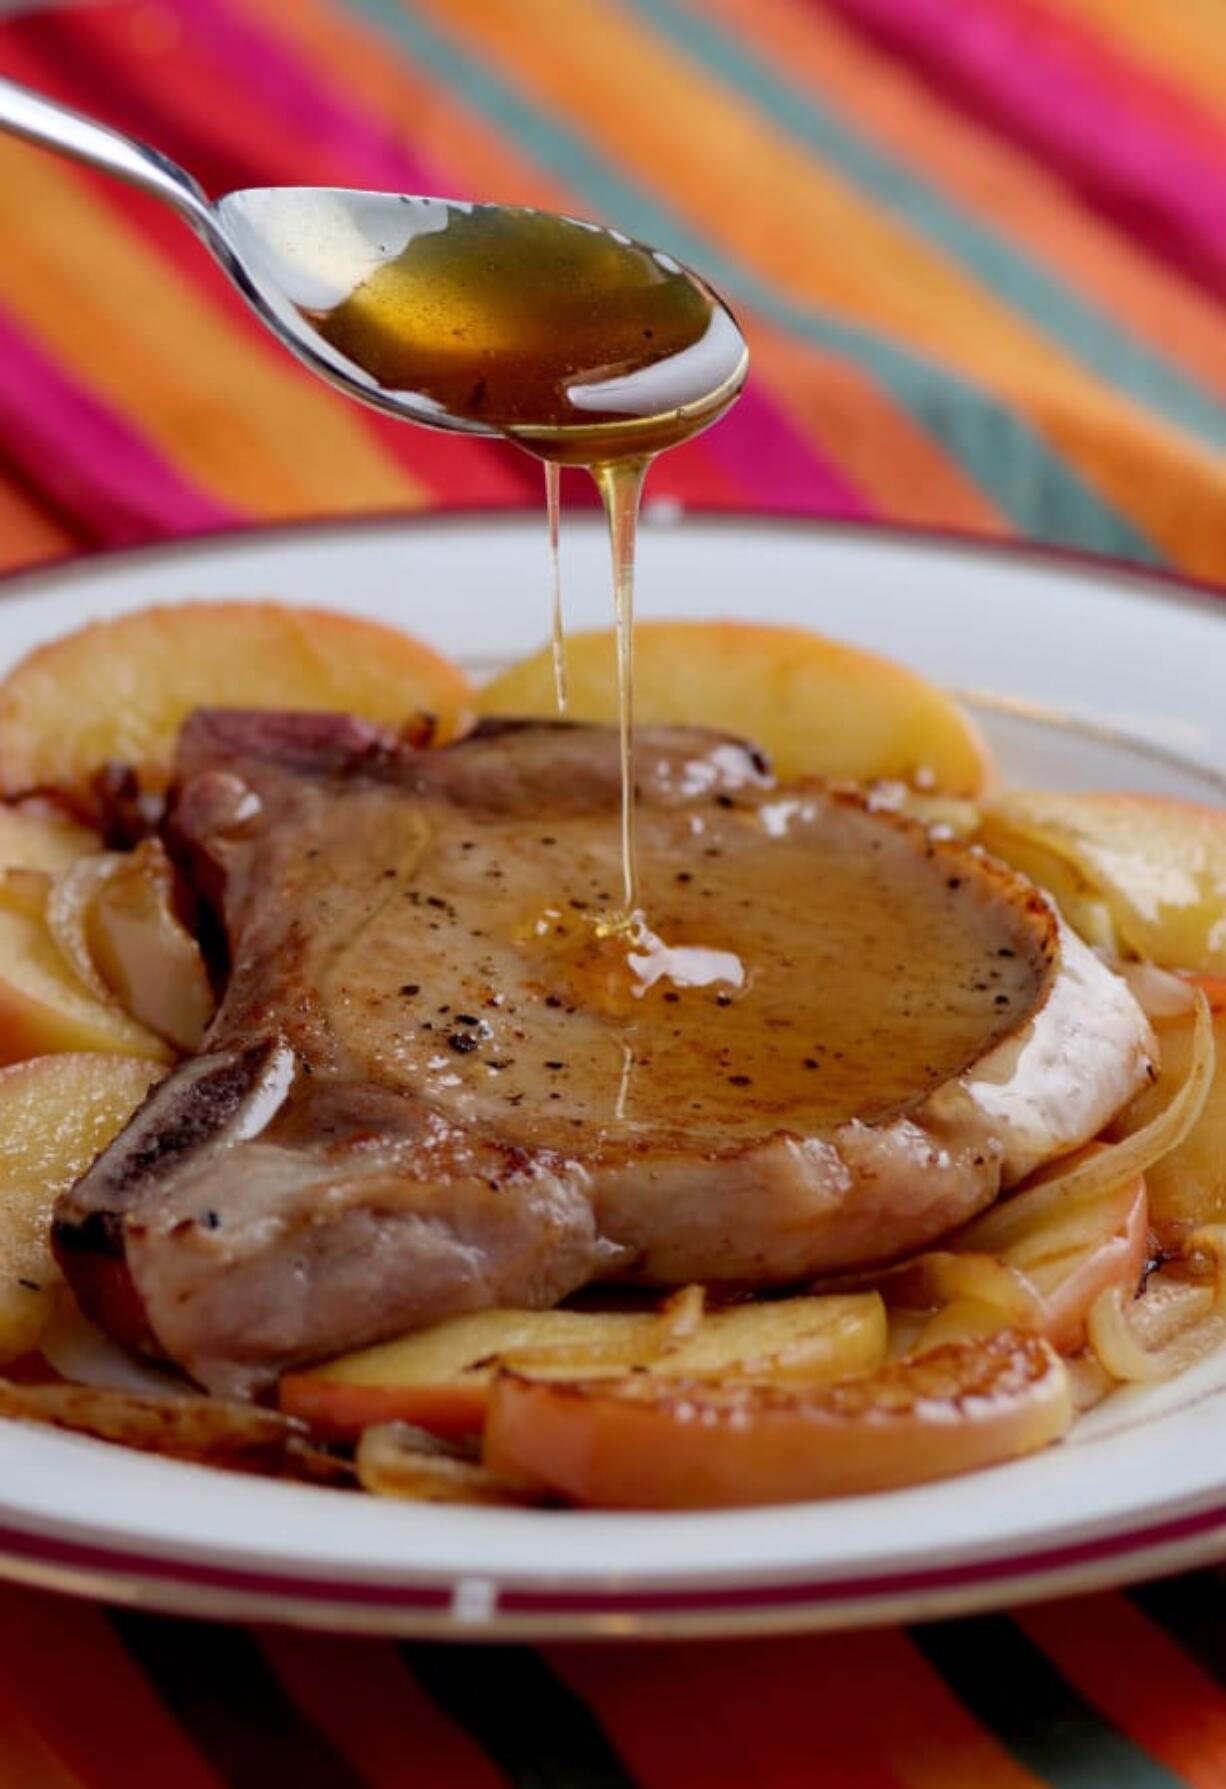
397 1460
1095 1168
69 902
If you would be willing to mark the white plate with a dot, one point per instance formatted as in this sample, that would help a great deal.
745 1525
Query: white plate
1137 668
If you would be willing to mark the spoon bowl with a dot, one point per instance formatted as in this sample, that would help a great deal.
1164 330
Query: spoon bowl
565 336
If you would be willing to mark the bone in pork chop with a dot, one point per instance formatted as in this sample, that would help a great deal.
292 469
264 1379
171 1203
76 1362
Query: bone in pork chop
433 1085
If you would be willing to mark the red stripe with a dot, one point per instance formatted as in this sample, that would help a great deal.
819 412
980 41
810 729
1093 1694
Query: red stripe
376 1714
92 466
1032 79
52 530
92 1706
773 467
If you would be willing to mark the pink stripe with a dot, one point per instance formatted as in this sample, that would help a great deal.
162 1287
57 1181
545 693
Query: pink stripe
84 460
355 147
1028 76
775 468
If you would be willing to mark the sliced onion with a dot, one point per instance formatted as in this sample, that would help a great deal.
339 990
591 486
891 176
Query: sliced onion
397 1460
1158 992
1133 1338
112 917
1099 1167
681 1316
71 897
1089 1382
144 951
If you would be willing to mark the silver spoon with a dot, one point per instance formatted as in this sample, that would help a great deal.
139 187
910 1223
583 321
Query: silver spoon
296 250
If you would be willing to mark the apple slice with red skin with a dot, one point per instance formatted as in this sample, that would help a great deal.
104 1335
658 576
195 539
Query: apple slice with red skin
118 690
440 1378
645 1442
817 706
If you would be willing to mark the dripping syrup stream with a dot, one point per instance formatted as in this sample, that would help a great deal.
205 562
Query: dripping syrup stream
553 502
620 483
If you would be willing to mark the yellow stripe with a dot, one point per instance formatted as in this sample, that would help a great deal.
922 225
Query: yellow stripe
767 201
239 421
1182 41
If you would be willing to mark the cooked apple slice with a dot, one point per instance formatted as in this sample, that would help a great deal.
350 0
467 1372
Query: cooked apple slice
440 1378
817 707
646 1441
34 835
44 1009
57 1113
1158 865
117 691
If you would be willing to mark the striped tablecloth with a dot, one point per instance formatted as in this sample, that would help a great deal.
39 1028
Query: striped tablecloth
980 250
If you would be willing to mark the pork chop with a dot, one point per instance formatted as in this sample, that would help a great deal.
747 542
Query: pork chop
438 1082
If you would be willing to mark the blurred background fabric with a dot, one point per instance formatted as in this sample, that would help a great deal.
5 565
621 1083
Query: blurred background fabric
979 247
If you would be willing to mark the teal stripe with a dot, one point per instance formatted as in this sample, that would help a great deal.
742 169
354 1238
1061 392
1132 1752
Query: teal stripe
1100 343
1040 493
1015 1691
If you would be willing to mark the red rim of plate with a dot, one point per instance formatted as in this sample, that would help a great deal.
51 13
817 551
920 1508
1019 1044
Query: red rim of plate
17 1545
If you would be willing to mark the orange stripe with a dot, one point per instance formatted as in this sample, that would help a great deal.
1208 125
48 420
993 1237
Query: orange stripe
28 532
232 413
1139 1679
844 413
766 200
860 1709
88 1701
374 1712
1183 40
979 170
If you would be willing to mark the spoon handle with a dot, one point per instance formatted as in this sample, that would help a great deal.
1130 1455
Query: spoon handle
43 121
